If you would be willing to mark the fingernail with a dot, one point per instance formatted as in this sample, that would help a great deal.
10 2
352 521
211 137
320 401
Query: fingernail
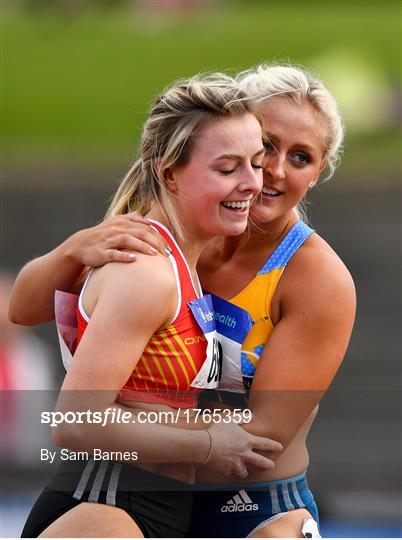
168 251
131 256
152 251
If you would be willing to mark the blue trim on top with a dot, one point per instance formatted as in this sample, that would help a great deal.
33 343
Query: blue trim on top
297 235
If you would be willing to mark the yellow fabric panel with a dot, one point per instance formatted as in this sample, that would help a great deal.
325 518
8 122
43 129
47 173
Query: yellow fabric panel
256 298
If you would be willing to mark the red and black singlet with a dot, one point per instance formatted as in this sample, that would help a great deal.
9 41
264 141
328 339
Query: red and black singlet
174 355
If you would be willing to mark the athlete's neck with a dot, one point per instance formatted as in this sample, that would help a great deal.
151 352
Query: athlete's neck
258 238
190 247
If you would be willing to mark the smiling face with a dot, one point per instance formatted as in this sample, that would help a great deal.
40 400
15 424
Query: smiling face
295 146
215 188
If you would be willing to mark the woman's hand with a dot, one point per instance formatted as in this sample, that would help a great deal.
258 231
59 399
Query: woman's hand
116 240
232 449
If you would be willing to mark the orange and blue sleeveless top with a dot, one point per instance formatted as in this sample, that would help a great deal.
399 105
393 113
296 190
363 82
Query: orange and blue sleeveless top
249 314
173 356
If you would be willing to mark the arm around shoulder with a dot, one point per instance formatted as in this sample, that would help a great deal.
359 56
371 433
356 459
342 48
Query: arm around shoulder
32 299
115 239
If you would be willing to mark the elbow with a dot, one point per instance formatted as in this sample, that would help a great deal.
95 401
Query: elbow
18 311
66 436
60 436
21 314
15 316
12 316
261 428
18 318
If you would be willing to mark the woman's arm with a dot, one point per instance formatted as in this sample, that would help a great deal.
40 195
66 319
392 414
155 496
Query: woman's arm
127 304
32 300
317 311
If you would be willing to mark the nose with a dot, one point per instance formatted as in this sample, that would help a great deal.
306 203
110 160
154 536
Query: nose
251 180
274 165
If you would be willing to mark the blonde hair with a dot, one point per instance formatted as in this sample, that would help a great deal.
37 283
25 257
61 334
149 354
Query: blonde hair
168 139
266 81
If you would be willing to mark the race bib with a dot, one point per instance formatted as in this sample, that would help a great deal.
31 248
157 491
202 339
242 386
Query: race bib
225 327
211 371
232 325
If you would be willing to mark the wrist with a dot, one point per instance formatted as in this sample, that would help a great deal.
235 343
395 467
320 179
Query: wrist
202 447
70 252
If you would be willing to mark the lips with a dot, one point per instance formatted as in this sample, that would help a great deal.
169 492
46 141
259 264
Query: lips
236 205
271 192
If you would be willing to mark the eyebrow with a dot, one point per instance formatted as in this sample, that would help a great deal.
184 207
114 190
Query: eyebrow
268 138
304 146
236 156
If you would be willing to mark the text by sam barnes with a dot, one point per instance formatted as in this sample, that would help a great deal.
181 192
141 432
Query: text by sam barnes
97 454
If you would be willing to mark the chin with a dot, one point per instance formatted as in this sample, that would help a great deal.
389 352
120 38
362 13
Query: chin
235 231
228 227
262 215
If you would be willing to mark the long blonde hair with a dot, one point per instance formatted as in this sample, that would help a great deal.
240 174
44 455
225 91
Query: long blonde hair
168 139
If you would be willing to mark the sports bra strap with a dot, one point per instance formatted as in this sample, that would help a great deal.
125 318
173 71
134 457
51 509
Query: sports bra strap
186 287
297 235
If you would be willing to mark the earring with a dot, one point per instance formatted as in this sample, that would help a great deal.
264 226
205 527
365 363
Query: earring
311 185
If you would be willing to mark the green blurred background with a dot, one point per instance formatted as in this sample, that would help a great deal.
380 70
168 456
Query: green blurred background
79 76
77 81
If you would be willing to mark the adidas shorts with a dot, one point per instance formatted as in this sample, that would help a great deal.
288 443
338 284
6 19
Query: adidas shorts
160 506
236 511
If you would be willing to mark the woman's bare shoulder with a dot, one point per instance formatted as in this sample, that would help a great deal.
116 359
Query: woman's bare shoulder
316 274
147 281
156 269
318 260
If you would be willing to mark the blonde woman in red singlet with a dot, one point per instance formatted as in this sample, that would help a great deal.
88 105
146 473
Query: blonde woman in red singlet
141 349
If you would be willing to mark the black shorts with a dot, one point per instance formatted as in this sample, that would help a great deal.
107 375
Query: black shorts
160 506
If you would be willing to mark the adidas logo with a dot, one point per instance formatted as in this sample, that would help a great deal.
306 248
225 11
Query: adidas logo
240 503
